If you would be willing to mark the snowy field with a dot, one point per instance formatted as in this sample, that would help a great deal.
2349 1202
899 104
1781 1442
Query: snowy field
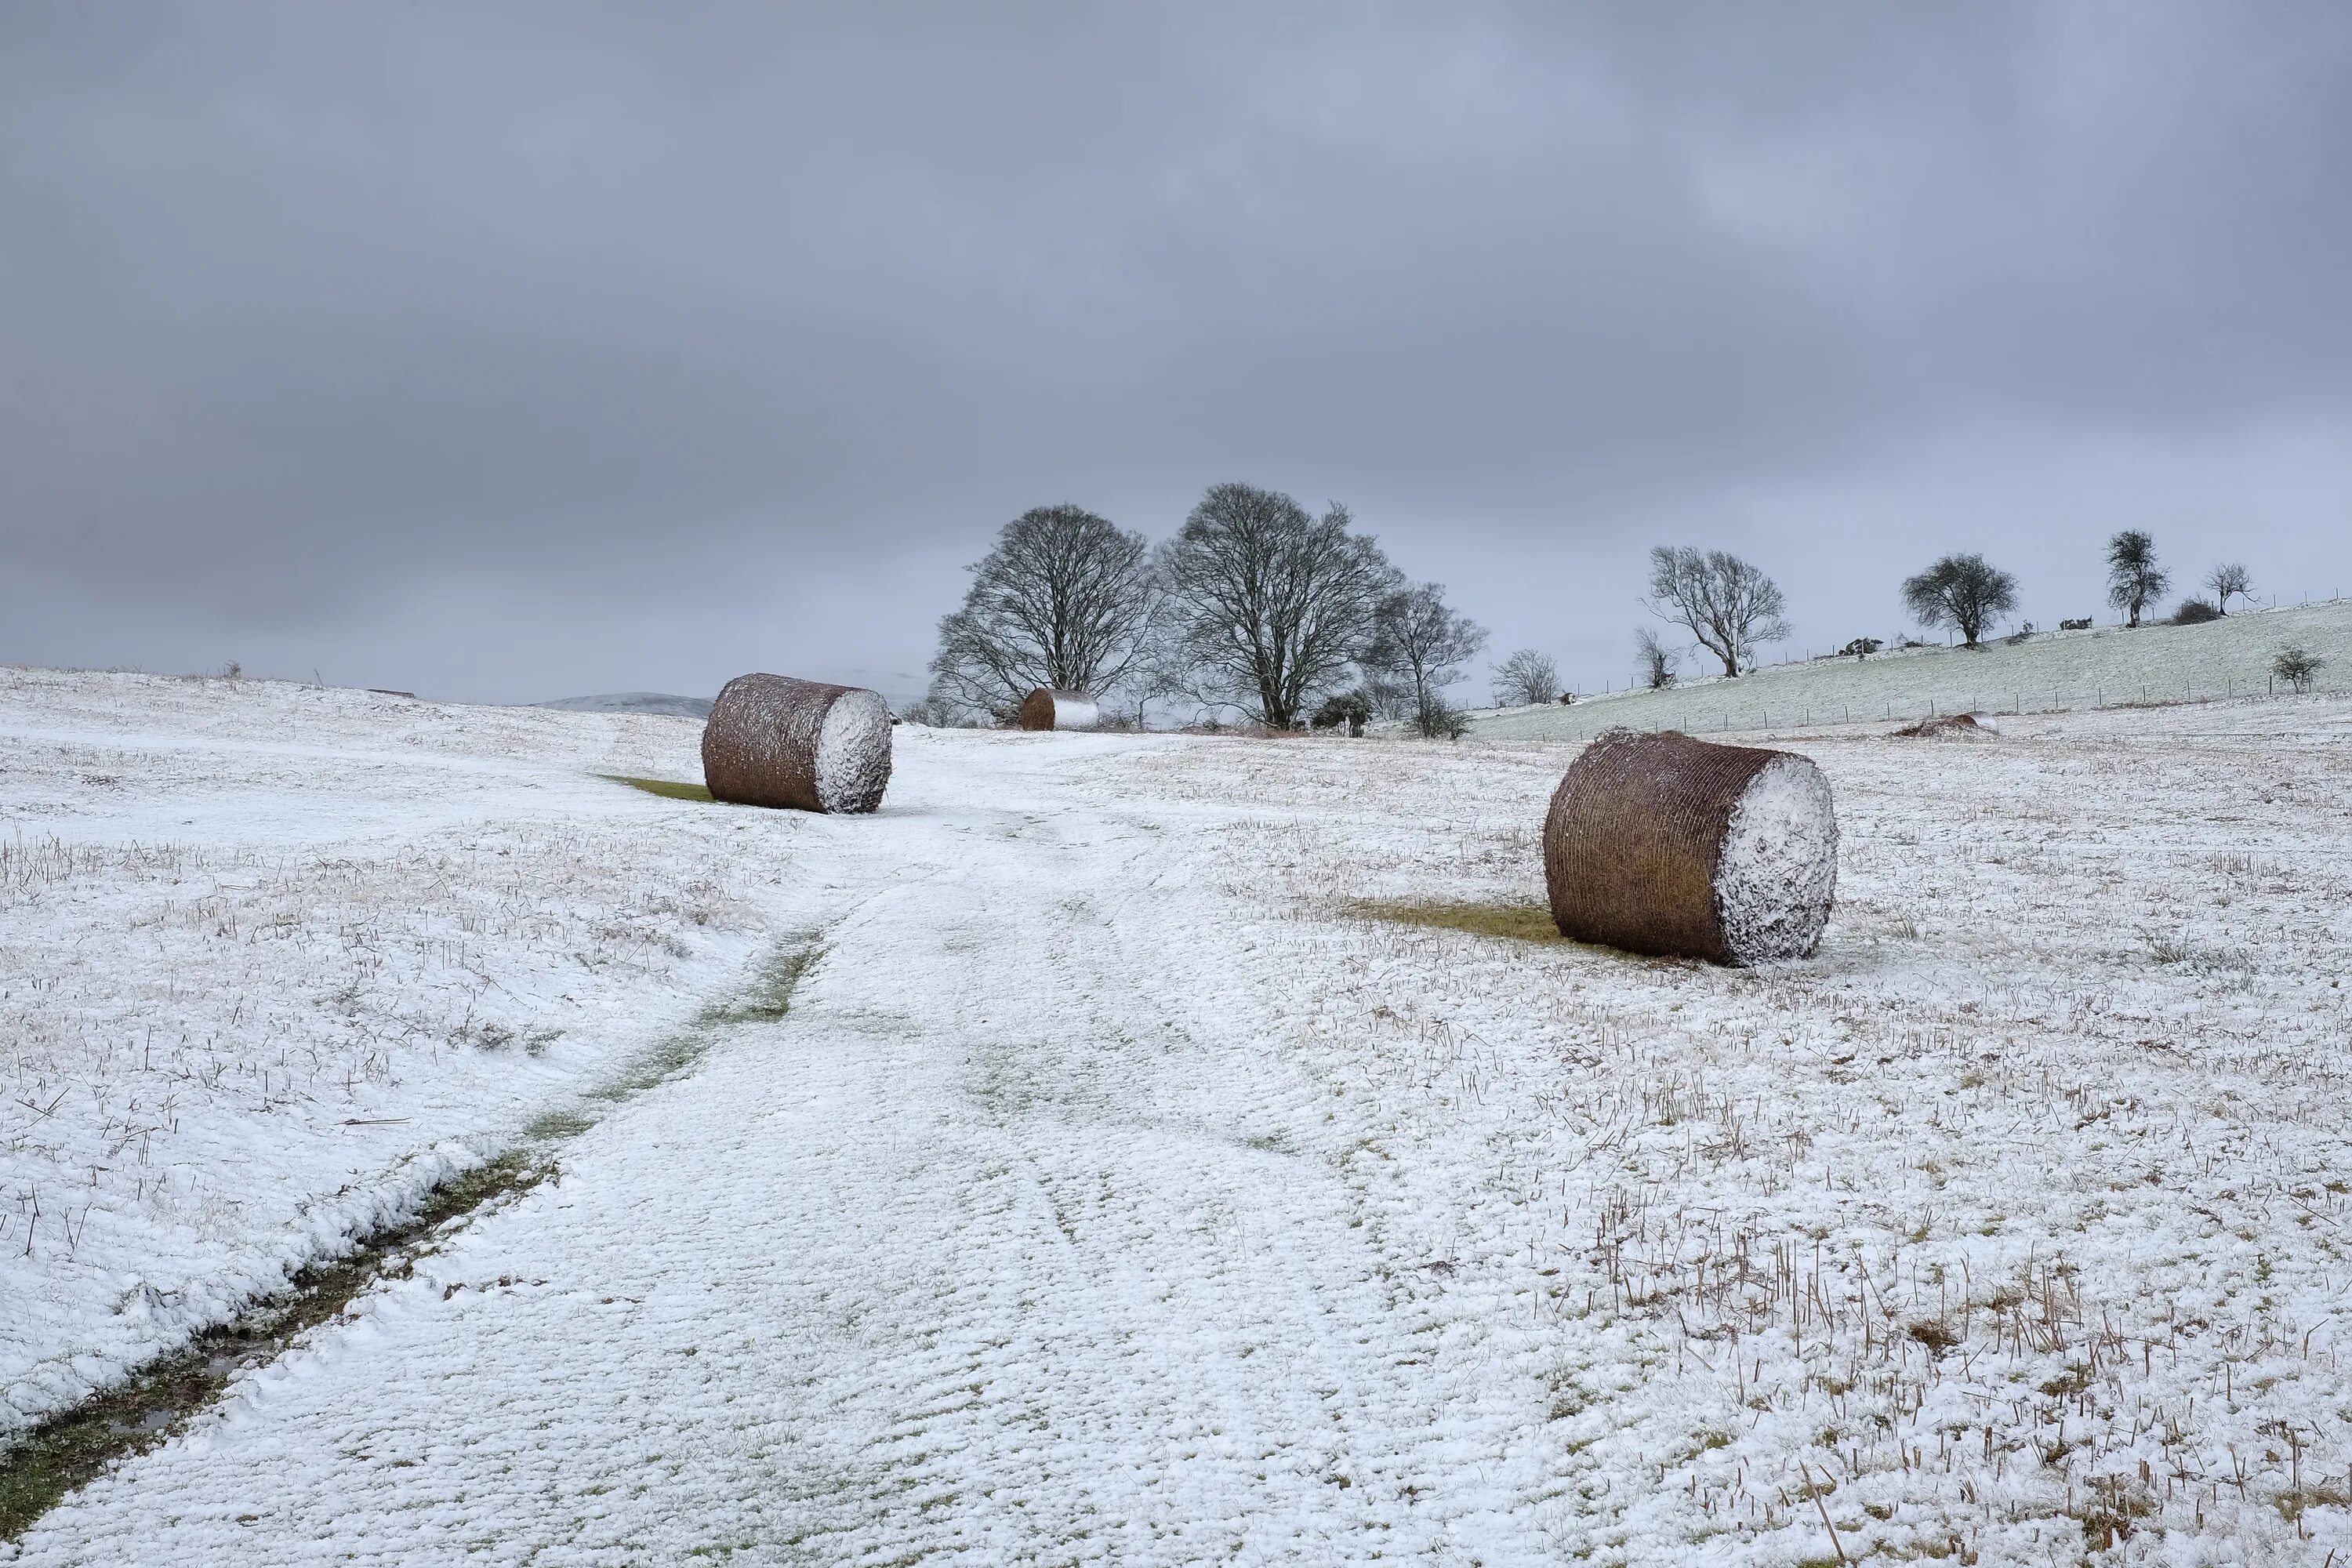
1127 1183
2049 672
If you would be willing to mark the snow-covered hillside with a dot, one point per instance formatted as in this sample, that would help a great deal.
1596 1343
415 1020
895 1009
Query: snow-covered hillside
663 702
1150 1170
2108 667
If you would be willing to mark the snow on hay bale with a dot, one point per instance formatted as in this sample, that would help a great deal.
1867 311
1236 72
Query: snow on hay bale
774 741
1662 844
1047 708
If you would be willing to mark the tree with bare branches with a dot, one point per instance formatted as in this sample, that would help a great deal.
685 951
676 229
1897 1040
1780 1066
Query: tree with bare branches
2134 579
1064 599
1424 642
1729 605
1526 676
1964 592
1658 661
2229 580
1268 606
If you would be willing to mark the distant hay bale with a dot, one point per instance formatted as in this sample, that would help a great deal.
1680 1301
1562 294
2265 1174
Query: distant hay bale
1662 844
1950 724
774 741
1049 709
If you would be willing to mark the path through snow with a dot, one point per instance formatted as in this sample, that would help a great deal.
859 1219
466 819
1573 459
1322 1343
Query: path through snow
1002 1243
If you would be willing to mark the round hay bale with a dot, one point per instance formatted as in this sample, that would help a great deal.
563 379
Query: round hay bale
774 741
1662 844
1049 709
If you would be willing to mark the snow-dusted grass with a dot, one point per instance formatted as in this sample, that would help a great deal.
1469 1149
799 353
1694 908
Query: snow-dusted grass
1181 1153
2051 671
279 960
2018 1217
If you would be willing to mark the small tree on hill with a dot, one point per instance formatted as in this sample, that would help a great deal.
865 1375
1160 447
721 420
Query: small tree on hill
1526 676
1657 659
2229 580
2298 667
1724 603
1963 592
2134 579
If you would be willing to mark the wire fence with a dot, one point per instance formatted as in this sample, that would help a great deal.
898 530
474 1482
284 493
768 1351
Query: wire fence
1701 719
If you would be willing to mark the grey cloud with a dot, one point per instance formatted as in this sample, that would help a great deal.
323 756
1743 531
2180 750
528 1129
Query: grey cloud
313 318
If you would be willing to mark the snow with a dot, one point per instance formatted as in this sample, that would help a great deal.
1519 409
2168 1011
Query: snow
1117 1189
1777 878
853 751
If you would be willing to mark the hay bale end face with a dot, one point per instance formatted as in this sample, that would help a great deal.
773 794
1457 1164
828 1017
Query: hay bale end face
1662 844
1049 709
774 741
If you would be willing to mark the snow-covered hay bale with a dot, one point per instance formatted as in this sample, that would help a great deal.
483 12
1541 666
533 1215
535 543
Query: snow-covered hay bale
1662 844
1049 709
774 741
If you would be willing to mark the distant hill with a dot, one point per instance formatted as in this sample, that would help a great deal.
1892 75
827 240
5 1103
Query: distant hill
634 702
2102 669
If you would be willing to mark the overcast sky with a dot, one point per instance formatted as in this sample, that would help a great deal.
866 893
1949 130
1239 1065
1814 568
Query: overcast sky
509 353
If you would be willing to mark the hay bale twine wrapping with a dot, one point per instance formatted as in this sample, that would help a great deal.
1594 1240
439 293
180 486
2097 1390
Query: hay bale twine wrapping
1049 709
774 741
1662 844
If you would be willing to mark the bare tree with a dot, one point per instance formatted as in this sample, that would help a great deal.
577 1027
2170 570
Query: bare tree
1960 591
1526 676
1064 599
1724 603
1268 606
1424 642
2134 579
1658 661
2229 580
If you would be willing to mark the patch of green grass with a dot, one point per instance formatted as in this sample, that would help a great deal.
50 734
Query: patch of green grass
1520 923
668 789
771 997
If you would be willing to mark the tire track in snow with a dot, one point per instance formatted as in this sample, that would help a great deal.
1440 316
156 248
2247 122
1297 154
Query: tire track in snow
996 1250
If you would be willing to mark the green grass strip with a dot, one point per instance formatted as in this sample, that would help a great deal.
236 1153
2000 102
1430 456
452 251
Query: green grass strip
668 789
1519 922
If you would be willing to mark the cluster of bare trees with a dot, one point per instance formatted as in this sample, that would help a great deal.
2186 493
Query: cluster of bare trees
1258 606
1255 606
1730 608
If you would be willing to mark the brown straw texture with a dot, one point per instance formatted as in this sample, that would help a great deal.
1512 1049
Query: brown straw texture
765 743
1040 708
1634 842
